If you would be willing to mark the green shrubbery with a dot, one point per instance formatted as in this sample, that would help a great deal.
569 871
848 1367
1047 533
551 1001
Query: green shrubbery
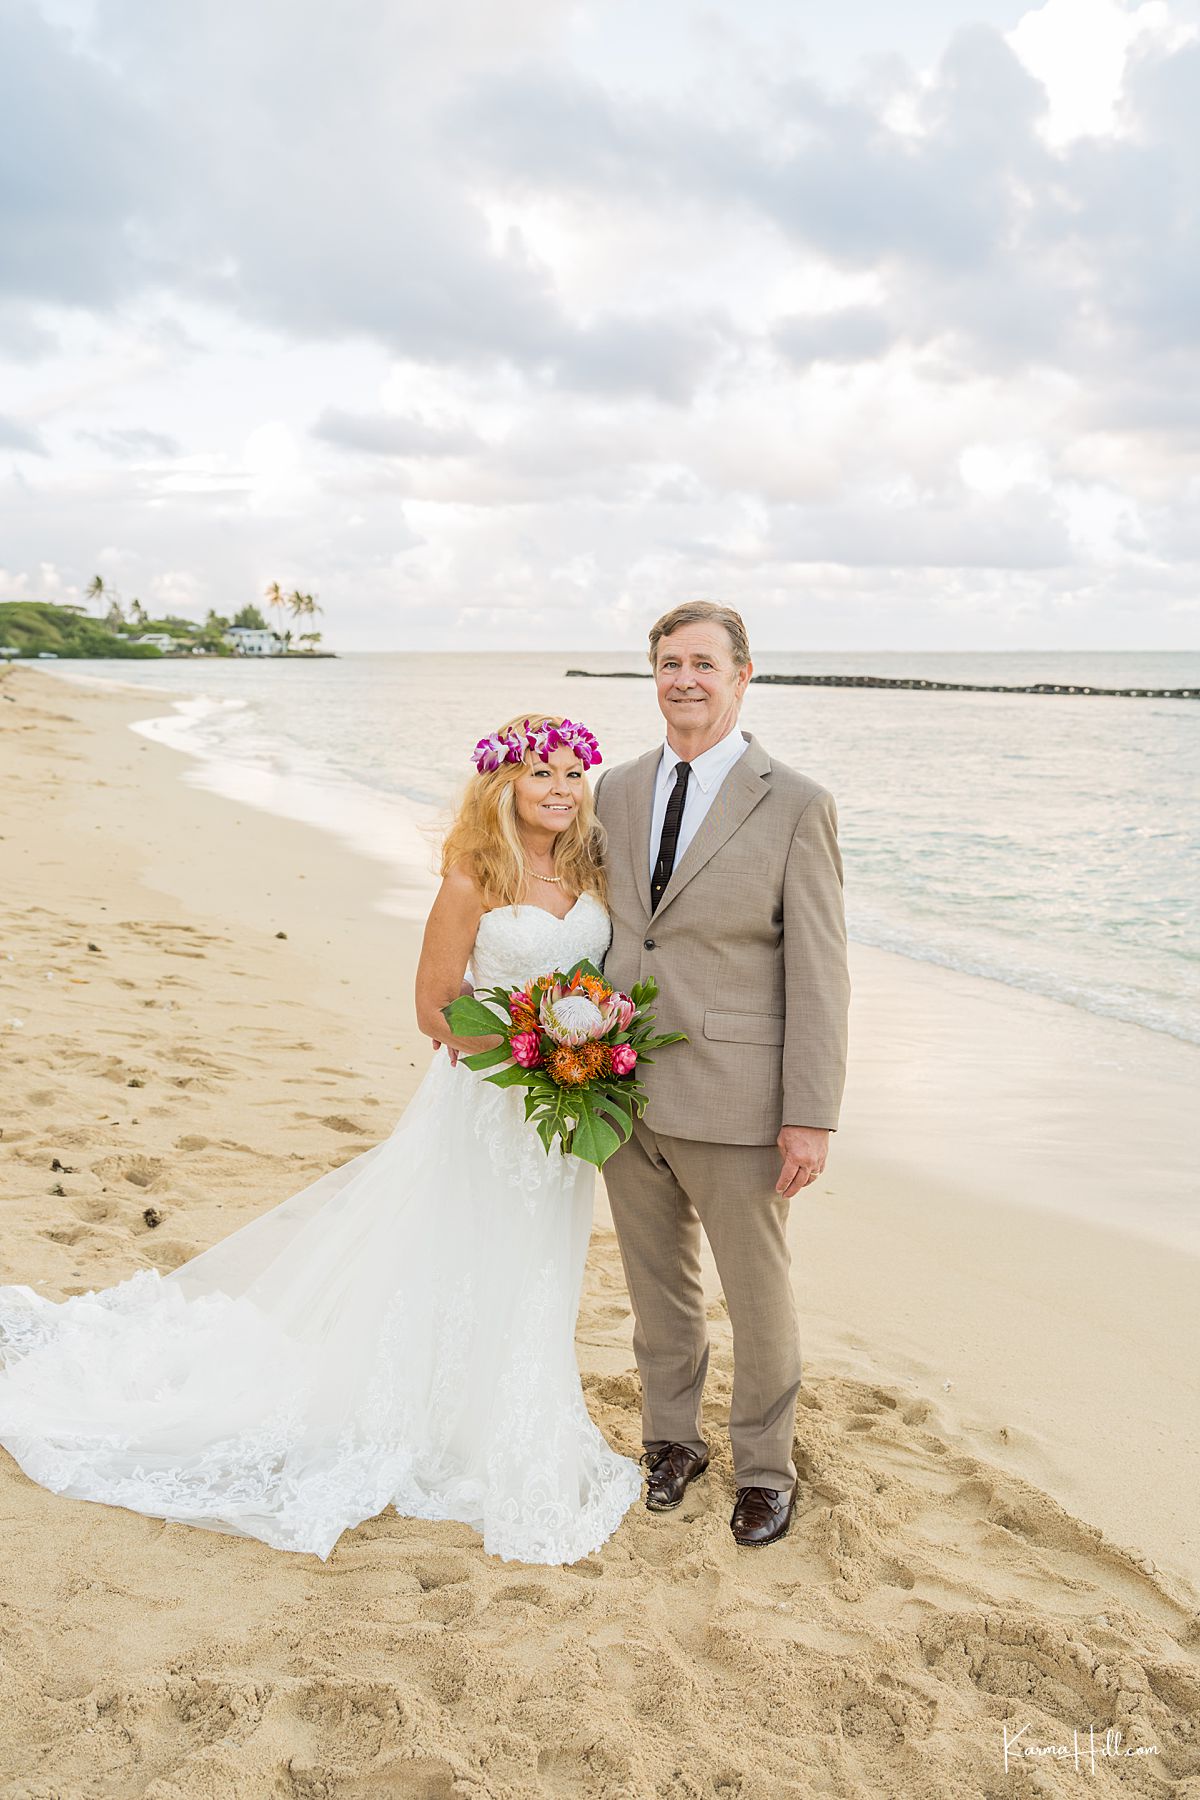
35 625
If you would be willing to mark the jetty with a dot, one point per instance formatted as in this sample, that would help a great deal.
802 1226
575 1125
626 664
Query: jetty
906 681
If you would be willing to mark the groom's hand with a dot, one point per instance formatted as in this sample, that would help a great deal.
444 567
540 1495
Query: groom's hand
804 1149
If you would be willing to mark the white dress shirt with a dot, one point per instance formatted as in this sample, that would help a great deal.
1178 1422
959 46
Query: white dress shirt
709 770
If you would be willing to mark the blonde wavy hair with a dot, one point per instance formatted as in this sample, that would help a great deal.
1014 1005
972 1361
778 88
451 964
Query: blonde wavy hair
484 835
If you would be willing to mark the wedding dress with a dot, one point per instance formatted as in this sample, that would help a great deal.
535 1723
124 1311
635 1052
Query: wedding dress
401 1331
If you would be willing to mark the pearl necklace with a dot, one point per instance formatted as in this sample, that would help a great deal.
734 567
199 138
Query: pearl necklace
556 879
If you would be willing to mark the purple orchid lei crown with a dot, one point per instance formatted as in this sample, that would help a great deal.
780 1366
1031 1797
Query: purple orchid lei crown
537 739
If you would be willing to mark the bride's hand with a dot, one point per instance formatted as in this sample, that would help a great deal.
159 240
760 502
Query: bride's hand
454 1054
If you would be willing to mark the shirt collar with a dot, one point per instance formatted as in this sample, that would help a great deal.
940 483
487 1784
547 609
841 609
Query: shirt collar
711 765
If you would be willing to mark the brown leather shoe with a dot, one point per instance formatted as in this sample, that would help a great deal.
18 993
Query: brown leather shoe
671 1468
761 1515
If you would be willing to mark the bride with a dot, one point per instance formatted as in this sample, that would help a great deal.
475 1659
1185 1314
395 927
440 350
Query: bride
400 1332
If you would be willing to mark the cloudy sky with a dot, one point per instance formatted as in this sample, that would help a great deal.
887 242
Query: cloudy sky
510 325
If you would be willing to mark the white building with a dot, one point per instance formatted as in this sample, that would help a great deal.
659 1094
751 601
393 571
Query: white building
248 641
161 639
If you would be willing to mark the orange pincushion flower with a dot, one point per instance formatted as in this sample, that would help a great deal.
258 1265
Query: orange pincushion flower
573 1064
524 1018
591 985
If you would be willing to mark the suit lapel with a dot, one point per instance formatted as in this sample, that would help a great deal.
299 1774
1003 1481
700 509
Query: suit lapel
736 798
641 809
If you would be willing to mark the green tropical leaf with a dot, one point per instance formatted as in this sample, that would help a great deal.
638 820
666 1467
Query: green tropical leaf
622 1116
497 997
593 1139
468 1017
487 1059
585 967
516 1076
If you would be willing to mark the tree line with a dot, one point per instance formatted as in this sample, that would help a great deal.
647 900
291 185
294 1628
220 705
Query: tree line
211 636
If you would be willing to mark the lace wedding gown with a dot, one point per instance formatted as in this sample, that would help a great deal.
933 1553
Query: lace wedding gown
400 1331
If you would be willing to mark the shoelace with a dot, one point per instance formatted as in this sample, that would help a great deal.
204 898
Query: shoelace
654 1459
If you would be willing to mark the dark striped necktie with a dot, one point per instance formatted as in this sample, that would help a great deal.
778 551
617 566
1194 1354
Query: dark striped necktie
670 834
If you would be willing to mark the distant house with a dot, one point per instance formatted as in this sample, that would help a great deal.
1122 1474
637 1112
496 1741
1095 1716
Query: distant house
10 650
162 640
248 641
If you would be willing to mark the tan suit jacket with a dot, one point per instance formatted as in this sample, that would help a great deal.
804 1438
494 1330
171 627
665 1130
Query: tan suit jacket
748 947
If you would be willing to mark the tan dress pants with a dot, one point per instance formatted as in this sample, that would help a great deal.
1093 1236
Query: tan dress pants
662 1190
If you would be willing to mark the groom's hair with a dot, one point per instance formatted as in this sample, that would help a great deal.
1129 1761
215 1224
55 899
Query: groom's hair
702 612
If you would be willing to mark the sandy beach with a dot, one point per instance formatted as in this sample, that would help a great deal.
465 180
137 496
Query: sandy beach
202 1007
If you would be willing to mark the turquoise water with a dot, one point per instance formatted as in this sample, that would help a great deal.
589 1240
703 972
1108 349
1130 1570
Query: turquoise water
1052 843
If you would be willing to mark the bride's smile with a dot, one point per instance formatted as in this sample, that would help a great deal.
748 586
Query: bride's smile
547 798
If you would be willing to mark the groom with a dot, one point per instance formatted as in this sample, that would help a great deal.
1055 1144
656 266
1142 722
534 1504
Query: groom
725 886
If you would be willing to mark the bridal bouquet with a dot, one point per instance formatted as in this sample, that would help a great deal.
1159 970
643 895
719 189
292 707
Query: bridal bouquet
575 1044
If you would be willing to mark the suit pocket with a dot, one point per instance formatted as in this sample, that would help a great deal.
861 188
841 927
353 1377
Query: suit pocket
744 1027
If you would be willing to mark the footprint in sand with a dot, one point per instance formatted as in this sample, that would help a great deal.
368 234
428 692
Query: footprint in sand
526 1593
94 1212
139 1171
440 1571
66 1234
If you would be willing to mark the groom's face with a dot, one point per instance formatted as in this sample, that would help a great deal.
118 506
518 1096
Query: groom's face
700 687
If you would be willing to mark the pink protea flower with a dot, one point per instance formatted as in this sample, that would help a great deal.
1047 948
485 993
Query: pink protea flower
572 1019
526 1049
624 1059
619 1007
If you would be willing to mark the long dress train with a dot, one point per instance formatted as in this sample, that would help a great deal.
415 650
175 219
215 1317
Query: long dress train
401 1330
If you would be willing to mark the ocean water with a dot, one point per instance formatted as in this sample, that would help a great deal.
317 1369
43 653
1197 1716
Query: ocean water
1048 842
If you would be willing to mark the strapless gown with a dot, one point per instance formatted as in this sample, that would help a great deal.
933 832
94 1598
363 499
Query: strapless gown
400 1331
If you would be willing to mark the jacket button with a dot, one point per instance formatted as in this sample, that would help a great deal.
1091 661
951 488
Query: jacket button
649 944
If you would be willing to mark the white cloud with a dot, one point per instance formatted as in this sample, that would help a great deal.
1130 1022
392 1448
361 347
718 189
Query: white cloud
1079 50
530 318
993 470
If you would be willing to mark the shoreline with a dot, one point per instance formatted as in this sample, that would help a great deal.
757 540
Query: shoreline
974 1229
363 818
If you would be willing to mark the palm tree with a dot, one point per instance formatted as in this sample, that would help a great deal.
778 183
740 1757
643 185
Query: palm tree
100 590
303 605
138 611
276 597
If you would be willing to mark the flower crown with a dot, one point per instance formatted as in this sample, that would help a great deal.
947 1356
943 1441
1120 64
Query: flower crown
537 739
